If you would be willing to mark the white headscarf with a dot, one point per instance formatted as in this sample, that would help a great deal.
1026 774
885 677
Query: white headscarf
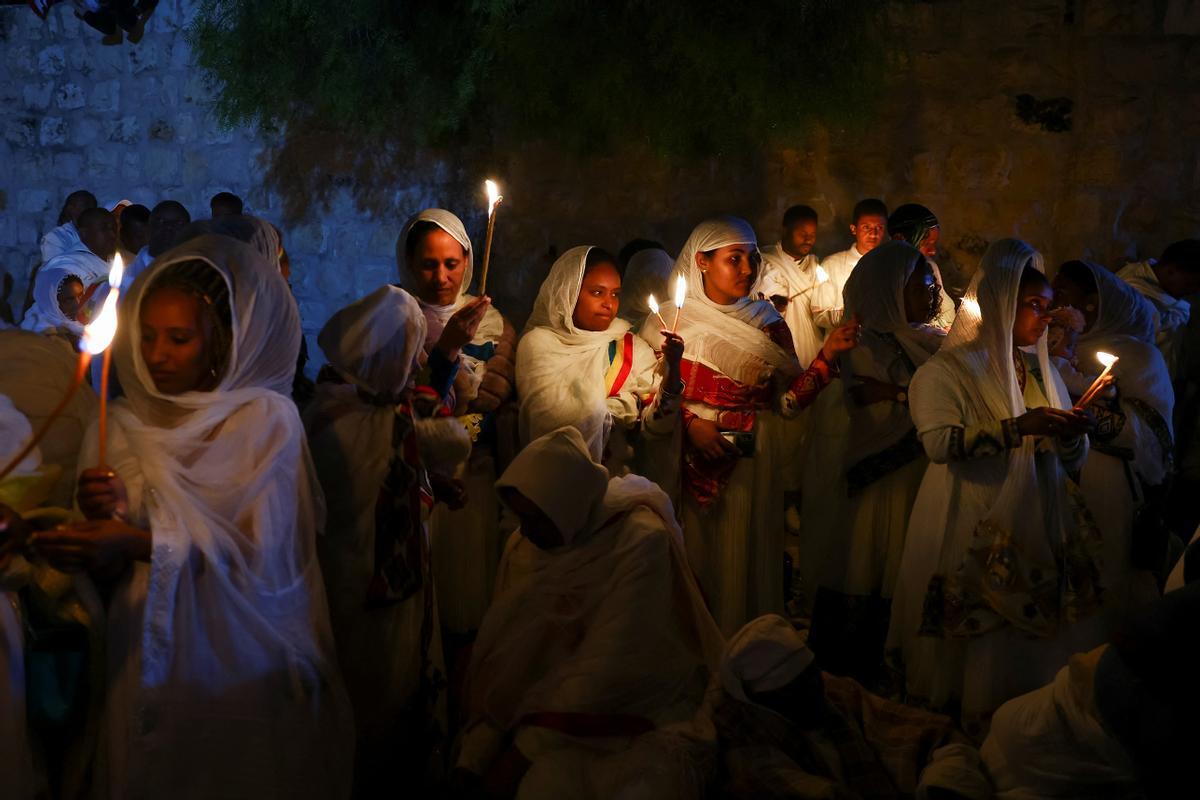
1122 310
561 369
767 653
45 313
726 337
874 293
374 342
225 481
645 274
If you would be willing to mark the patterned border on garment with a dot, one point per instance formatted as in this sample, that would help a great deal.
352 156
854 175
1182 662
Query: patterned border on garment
1160 428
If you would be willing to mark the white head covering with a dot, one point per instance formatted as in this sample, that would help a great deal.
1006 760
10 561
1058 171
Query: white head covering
558 474
726 337
436 315
45 313
768 653
1122 310
561 369
374 342
259 234
645 274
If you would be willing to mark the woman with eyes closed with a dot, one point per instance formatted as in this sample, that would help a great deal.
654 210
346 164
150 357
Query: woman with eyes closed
1000 570
744 389
221 674
577 356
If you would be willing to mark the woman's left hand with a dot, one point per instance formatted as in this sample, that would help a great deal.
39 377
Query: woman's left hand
672 350
91 545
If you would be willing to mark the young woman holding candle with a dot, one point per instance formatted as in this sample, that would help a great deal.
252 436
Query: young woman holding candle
1133 442
855 555
741 381
576 356
221 671
1001 558
436 262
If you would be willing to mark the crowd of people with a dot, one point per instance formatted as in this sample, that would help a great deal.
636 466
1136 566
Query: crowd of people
834 533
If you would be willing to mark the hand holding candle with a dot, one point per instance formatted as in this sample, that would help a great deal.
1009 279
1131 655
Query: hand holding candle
1098 385
680 296
494 199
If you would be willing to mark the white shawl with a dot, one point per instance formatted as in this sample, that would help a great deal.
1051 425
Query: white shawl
646 274
728 338
237 656
875 294
561 369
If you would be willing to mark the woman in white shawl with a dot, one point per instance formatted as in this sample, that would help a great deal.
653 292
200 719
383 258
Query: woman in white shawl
646 274
366 436
61 292
741 380
1132 445
894 293
222 679
597 649
1001 558
577 358
435 258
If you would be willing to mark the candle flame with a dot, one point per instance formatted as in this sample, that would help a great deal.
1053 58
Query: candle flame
1107 359
680 291
822 275
493 194
653 304
971 306
98 335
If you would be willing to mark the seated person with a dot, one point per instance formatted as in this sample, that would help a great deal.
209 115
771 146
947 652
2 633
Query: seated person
597 647
787 729
1117 721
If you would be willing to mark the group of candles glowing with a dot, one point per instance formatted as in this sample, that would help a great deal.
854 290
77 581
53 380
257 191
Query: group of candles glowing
99 334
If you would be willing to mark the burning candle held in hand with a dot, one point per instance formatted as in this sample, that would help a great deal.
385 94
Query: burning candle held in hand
1108 360
494 200
653 303
680 296
97 338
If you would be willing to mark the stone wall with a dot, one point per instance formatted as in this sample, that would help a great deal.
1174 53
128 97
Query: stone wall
1069 123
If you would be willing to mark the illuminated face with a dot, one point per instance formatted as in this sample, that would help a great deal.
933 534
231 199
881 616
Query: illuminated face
868 232
798 240
174 342
729 272
922 295
1033 313
70 297
599 297
439 264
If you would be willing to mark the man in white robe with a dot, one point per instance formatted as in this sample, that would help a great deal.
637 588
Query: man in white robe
1165 281
166 221
869 228
793 280
88 260
63 238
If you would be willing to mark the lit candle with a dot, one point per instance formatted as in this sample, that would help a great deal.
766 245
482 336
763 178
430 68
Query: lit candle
494 198
1108 360
97 337
680 296
822 275
657 313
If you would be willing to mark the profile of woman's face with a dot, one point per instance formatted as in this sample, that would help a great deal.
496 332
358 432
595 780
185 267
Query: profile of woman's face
599 297
729 272
1082 295
439 264
70 297
174 342
922 295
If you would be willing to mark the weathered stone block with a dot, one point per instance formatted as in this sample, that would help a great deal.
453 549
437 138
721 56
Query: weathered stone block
37 95
131 166
143 57
160 165
33 201
69 96
185 128
68 167
102 162
161 130
21 62
52 60
125 130
106 96
85 132
52 131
